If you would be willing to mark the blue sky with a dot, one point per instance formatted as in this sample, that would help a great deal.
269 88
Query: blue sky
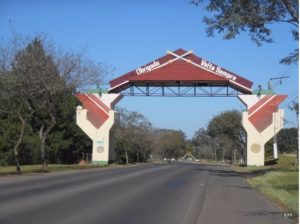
128 34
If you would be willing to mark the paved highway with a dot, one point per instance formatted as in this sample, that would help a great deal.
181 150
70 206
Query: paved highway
157 194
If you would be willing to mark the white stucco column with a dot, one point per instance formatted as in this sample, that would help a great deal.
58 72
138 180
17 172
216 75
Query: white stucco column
261 121
256 140
96 119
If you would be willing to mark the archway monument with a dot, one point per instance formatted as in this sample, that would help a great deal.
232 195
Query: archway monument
181 73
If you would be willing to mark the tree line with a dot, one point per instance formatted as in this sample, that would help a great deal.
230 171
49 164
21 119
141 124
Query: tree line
136 140
224 139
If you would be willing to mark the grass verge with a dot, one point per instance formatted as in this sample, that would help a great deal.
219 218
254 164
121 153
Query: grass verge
281 187
279 182
28 169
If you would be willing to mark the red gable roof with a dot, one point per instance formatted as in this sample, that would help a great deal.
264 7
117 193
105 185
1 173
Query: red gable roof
178 71
181 66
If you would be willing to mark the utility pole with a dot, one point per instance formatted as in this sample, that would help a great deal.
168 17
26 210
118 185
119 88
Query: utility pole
271 87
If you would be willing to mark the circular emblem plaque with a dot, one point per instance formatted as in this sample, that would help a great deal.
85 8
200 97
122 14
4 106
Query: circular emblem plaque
100 149
255 148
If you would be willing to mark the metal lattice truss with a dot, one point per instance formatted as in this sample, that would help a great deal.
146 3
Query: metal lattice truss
180 91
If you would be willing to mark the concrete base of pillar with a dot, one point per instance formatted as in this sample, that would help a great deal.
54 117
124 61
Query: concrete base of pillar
101 146
99 163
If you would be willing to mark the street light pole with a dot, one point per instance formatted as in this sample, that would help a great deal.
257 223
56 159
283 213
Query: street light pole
270 87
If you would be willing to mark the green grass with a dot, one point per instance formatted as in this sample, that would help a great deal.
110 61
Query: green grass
281 187
285 162
279 181
27 169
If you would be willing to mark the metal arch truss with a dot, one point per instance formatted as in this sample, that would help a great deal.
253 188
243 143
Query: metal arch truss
180 91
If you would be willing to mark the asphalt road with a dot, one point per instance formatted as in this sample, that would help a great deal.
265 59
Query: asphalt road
157 194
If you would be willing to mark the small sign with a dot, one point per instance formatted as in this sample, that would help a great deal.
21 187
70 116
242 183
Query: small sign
100 145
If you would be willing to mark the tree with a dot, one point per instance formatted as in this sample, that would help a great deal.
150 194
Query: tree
133 137
57 77
66 142
38 68
9 133
295 107
34 79
135 140
255 17
170 143
204 144
287 140
17 87
227 125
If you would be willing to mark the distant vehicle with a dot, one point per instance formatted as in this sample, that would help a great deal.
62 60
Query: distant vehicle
169 160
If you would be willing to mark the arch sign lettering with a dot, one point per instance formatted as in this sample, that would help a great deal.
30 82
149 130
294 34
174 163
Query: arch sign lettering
181 73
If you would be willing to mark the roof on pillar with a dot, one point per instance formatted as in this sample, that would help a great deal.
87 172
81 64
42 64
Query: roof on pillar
261 113
97 111
180 67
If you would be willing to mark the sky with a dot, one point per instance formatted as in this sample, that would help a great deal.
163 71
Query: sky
125 35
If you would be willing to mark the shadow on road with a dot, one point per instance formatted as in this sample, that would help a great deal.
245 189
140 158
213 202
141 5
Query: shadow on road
262 213
219 172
